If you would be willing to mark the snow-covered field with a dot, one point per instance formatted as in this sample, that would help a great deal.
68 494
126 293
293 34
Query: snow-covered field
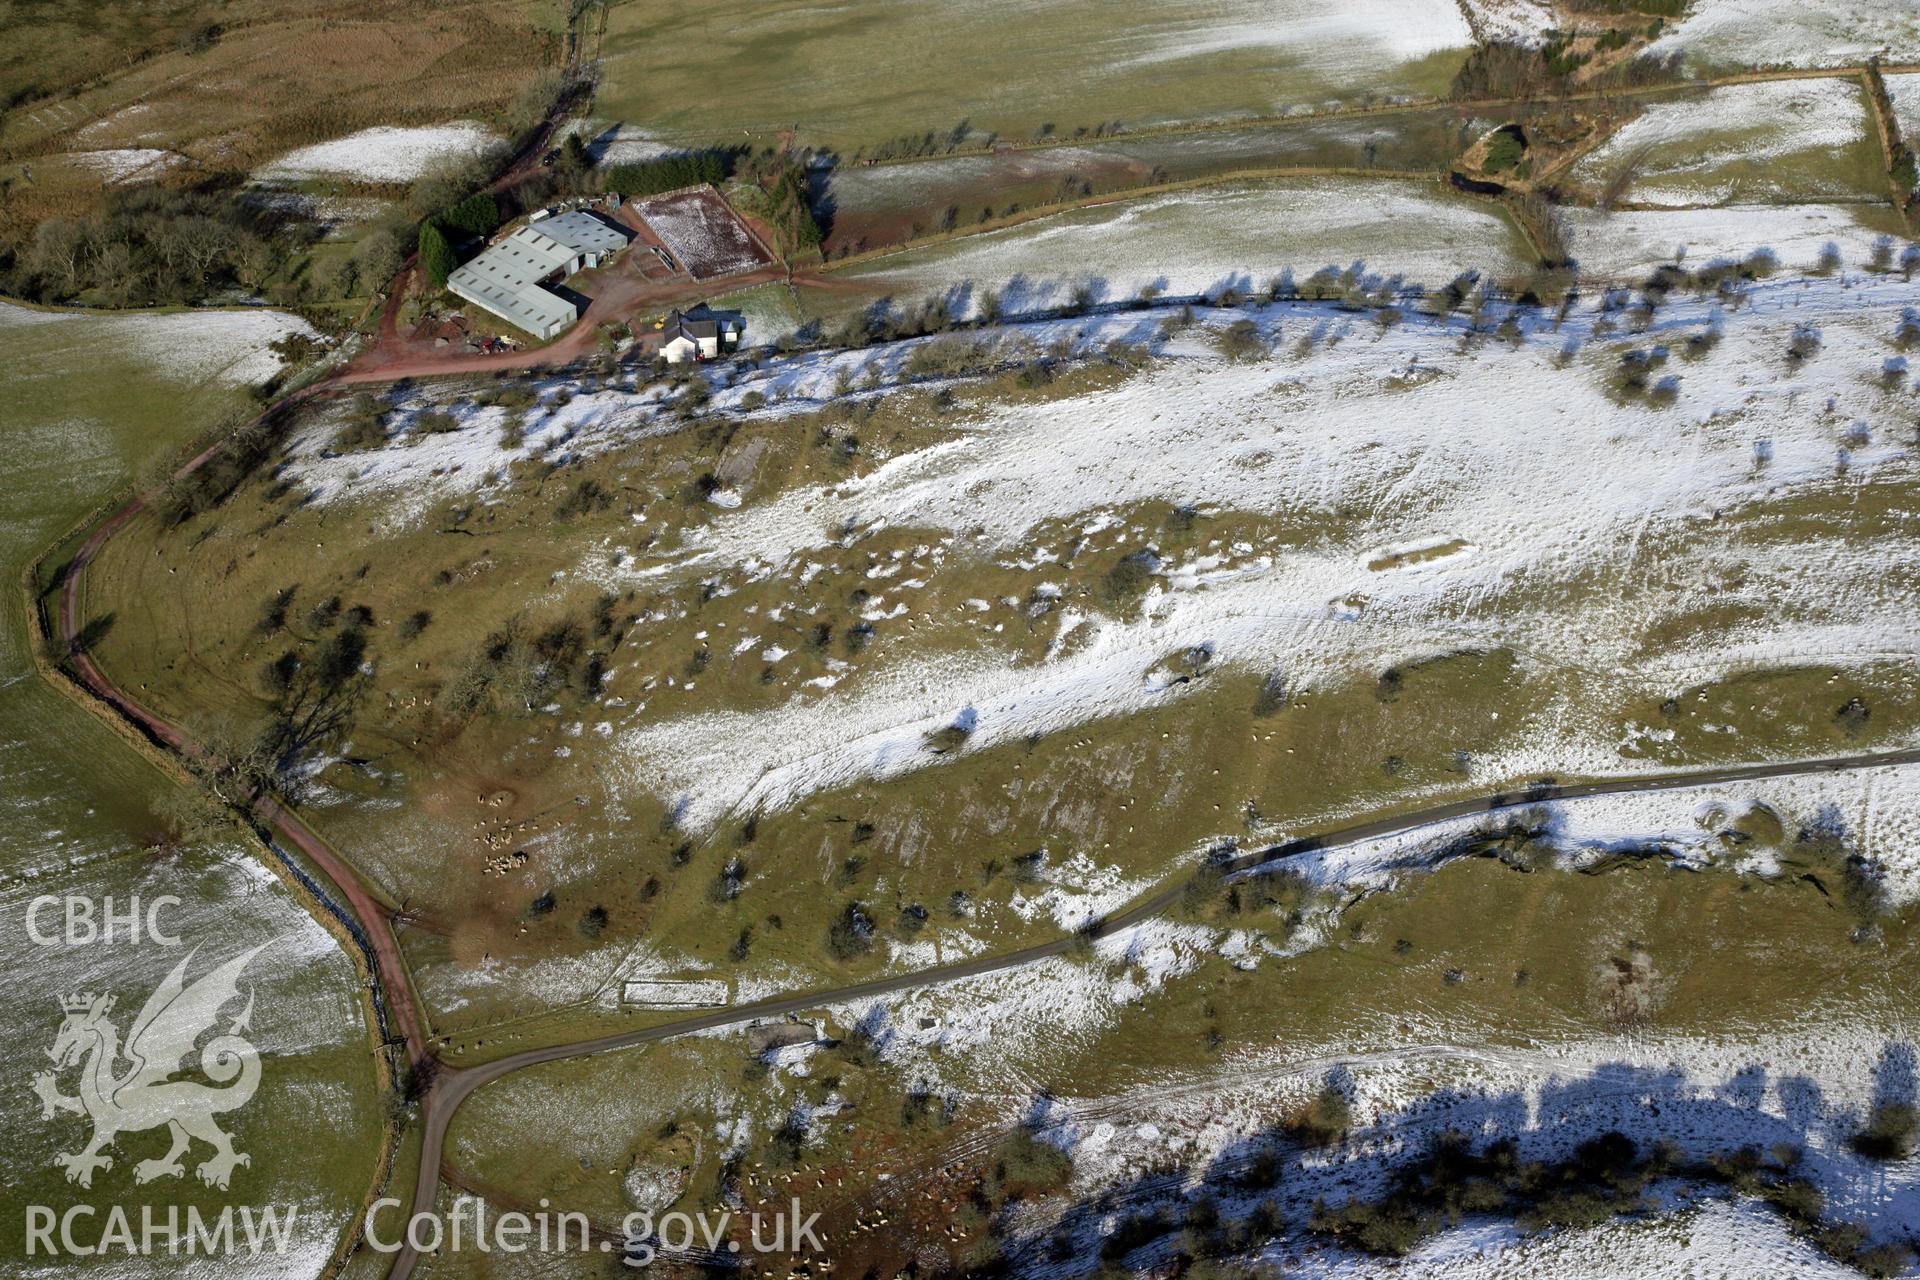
1385 141
13 316
1905 92
1745 142
1712 1240
229 904
1601 481
200 345
1189 243
1433 456
1625 245
1808 1088
228 346
1737 34
384 154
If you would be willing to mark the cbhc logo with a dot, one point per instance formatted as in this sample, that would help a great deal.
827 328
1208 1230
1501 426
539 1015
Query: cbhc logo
78 921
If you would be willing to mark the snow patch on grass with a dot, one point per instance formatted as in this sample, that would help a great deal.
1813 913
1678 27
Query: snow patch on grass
327 211
418 472
1513 21
1357 33
1905 92
383 154
1873 812
124 164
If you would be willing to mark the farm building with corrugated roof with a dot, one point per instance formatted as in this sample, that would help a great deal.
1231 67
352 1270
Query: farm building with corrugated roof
510 278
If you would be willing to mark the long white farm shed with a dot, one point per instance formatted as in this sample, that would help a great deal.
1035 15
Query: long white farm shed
510 278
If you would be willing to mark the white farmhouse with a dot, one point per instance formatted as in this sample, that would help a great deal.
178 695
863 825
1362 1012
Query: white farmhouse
510 279
697 335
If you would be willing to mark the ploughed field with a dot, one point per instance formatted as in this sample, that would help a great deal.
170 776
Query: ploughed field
705 236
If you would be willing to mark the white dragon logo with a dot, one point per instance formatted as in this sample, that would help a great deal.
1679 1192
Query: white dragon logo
143 1096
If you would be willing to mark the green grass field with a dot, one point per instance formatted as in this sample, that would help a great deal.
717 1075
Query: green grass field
871 206
865 74
92 399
